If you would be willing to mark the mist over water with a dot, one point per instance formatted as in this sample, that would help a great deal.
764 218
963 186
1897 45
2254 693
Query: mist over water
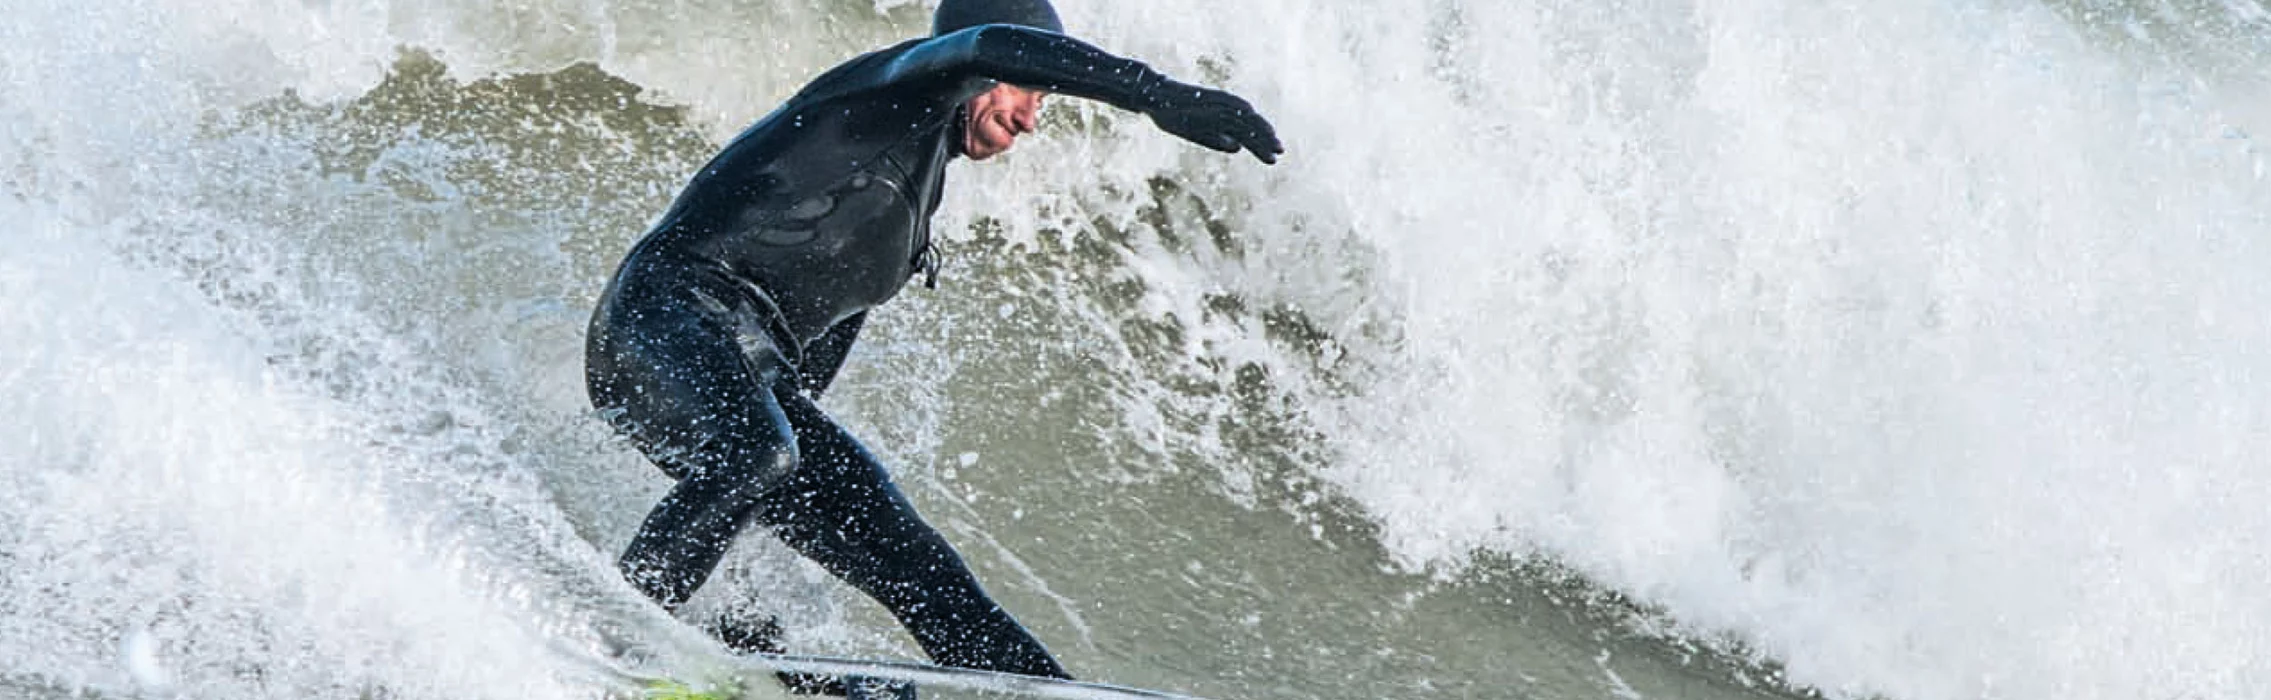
1643 349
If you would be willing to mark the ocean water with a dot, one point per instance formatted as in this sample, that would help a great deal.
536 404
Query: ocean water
1643 349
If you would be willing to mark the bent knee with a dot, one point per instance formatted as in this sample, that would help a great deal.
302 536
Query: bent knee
733 460
735 455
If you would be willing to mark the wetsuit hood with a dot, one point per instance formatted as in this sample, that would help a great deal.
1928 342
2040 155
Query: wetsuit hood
957 15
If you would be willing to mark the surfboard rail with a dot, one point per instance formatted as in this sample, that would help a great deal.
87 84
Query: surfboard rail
753 676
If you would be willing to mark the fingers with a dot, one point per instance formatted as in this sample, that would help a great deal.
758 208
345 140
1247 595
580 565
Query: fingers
1262 140
1223 122
1254 133
1245 130
1248 134
1265 154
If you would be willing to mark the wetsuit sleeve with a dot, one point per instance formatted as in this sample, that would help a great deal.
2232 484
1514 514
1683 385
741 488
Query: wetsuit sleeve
960 62
825 356
1030 58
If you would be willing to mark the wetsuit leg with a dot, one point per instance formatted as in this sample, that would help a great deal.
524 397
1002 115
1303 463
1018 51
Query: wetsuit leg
695 393
840 509
712 403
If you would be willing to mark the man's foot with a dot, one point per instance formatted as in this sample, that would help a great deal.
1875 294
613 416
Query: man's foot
763 636
743 636
813 684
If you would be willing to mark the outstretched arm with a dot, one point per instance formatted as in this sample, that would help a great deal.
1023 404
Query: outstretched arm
1060 64
825 356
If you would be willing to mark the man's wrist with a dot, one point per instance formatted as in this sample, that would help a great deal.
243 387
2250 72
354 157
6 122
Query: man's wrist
1152 89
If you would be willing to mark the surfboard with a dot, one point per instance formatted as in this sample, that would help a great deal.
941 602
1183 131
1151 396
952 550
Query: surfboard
753 677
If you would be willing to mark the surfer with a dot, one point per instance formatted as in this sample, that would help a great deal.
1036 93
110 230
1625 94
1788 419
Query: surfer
725 323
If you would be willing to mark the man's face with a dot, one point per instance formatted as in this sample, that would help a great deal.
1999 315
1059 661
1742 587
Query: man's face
997 118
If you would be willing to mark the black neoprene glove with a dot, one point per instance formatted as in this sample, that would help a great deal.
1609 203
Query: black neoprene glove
1211 118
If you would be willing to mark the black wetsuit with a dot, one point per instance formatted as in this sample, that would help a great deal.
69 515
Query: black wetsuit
726 320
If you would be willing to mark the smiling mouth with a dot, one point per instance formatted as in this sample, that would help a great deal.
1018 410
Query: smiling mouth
992 132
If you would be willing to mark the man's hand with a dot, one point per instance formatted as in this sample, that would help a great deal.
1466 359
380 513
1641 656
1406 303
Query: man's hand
1212 118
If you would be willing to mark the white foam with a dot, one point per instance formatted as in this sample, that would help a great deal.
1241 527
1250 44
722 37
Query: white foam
1909 343
180 516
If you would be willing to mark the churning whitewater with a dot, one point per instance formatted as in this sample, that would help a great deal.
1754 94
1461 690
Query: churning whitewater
1641 349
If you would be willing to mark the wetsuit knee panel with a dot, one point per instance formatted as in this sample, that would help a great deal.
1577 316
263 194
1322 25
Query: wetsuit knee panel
710 446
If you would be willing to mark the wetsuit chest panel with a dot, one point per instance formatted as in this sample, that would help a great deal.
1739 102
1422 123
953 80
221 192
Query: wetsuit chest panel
828 223
821 209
